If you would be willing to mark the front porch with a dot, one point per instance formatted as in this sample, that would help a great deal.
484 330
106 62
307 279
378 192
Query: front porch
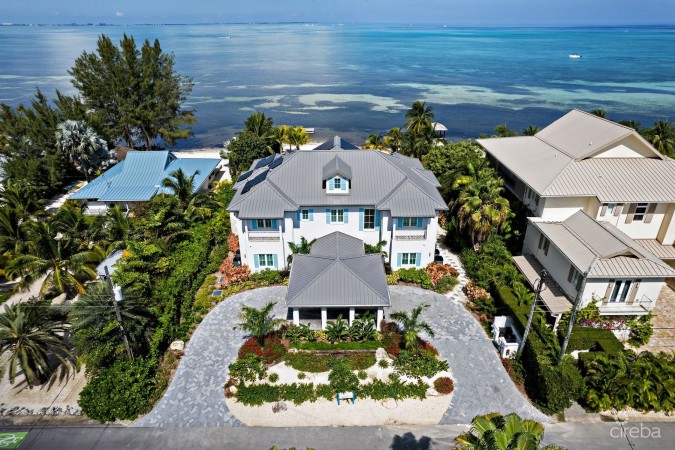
317 318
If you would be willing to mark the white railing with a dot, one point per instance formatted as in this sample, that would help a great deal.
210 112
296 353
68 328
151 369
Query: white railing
645 304
263 236
410 235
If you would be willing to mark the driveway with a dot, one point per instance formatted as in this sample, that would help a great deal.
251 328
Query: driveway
195 396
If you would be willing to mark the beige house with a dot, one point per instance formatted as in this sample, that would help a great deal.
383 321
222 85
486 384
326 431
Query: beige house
602 200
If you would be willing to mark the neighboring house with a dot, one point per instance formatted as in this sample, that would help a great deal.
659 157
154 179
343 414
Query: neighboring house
370 195
139 178
625 191
337 278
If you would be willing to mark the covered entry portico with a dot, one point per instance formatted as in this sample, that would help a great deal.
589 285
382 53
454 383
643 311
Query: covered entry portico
336 278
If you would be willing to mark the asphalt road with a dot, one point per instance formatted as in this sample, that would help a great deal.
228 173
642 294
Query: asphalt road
599 435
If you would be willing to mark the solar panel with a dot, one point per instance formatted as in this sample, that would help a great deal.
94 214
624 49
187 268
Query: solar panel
244 175
264 162
254 181
278 159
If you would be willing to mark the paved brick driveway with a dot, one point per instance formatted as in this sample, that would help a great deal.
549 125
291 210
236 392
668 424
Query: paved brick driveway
195 397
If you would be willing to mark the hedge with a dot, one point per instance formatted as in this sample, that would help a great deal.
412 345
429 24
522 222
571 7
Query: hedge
367 345
598 339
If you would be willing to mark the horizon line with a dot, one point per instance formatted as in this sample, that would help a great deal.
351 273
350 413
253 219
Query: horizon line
393 24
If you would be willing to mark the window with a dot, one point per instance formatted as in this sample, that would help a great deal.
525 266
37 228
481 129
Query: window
337 183
410 221
369 219
337 215
408 259
620 291
575 277
640 211
264 223
544 243
266 260
305 214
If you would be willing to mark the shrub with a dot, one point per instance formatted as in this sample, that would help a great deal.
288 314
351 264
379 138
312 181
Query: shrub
598 339
266 277
250 368
392 343
394 377
379 390
515 370
641 330
337 330
342 379
120 391
233 274
446 284
233 242
415 276
394 277
273 350
474 292
419 364
559 386
250 347
439 271
367 345
383 363
444 385
320 335
301 376
361 360
274 377
312 362
362 375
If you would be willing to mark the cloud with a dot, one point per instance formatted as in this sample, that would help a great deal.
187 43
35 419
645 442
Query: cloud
119 13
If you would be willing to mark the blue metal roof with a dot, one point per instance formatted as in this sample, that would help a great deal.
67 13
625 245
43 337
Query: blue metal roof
139 176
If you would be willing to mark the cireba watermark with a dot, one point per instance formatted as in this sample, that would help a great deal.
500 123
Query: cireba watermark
640 431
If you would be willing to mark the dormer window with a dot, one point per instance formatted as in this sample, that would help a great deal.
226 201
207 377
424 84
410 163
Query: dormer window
337 183
337 176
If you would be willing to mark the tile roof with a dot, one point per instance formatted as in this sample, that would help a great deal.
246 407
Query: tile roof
336 274
557 162
388 182
601 249
139 176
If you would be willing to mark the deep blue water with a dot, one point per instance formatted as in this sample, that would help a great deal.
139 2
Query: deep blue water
354 80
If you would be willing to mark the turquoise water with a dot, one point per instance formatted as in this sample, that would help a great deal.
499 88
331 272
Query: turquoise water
354 80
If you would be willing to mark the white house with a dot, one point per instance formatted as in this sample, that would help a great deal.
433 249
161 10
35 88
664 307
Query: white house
369 195
602 200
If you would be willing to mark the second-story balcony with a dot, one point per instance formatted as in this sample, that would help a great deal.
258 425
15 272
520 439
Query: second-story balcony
637 307
410 235
263 236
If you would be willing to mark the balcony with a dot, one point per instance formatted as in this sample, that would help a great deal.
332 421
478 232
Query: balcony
410 235
637 307
263 236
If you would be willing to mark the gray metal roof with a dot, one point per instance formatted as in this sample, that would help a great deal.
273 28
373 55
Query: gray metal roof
601 249
376 177
337 166
337 244
557 161
336 143
337 278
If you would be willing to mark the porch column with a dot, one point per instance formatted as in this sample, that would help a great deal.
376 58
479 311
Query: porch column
324 318
352 315
557 322
296 316
380 317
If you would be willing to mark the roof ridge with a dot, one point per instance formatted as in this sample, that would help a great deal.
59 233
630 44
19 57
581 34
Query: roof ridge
363 281
398 188
603 119
313 281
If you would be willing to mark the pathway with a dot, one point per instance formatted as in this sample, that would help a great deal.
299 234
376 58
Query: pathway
195 396
663 339
452 259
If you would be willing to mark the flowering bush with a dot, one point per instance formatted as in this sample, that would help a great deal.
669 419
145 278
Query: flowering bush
474 292
438 271
392 343
233 242
250 347
444 385
233 274
273 350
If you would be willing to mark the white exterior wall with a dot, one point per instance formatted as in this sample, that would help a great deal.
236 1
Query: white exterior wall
424 247
666 234
638 229
560 208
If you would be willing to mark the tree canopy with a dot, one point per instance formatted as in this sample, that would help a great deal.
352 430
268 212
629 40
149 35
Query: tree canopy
135 93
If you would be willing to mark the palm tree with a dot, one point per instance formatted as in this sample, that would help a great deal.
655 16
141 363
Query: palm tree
418 144
95 331
394 139
84 148
599 113
259 322
182 186
280 136
419 117
298 136
113 227
631 124
531 130
503 131
13 237
523 295
21 199
32 335
482 209
412 324
662 137
262 126
377 248
374 141
51 251
302 249
496 432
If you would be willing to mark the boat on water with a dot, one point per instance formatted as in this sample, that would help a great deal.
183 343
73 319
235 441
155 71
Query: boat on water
574 55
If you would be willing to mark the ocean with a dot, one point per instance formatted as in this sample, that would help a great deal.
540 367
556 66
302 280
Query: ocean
355 80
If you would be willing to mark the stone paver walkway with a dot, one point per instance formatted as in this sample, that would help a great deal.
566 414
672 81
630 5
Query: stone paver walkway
663 339
195 397
453 260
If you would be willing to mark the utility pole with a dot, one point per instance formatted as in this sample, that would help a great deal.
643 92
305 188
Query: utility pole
114 299
537 293
573 315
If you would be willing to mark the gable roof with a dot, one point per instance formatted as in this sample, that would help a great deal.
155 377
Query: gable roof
336 143
139 176
558 161
337 166
337 273
601 249
376 177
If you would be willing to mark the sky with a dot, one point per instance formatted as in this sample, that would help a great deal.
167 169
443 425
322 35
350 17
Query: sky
446 12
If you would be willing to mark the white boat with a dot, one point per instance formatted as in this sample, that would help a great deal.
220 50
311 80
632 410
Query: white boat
574 55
